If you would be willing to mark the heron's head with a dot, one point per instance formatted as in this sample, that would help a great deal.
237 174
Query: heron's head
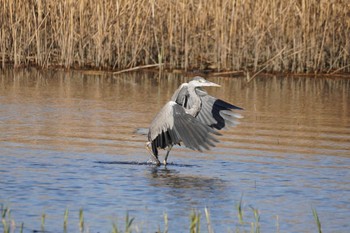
201 82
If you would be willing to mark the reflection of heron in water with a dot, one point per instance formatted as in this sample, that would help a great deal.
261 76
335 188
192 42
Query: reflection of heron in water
192 117
172 178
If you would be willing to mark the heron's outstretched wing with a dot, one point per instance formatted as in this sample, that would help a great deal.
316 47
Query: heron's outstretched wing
216 112
173 125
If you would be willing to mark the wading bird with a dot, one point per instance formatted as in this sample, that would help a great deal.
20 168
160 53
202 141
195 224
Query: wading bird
191 117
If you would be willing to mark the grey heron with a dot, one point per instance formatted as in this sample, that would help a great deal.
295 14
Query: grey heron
192 117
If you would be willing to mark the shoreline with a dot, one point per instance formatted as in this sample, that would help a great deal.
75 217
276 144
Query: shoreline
249 75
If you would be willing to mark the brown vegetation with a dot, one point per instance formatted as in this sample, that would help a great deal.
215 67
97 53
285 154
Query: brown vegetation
270 35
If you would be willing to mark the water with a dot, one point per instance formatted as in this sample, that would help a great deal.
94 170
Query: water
70 140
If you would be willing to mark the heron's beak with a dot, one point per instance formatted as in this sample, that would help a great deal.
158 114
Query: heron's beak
210 84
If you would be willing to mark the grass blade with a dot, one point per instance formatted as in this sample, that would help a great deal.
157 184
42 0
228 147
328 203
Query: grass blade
317 220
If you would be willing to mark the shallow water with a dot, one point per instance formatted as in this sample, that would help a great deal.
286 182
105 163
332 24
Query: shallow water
70 140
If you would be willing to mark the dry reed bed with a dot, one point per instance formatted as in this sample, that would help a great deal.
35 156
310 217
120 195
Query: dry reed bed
270 35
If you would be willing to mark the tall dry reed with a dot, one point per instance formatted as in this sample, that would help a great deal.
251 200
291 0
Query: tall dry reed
269 35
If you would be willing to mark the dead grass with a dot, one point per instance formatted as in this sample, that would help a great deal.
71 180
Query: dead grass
283 36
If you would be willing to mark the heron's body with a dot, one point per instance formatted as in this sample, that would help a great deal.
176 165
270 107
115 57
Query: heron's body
191 117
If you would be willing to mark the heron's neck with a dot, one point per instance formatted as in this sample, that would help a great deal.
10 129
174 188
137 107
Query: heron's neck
196 102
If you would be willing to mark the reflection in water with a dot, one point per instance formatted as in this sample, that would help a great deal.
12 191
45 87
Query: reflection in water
180 189
74 140
148 163
172 178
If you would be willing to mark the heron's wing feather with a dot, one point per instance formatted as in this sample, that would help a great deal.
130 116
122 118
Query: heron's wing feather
216 112
161 132
180 95
193 133
173 125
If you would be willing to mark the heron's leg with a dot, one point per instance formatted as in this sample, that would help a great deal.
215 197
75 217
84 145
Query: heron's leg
154 157
167 154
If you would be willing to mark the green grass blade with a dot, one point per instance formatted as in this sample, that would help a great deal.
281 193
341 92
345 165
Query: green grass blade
81 220
317 220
